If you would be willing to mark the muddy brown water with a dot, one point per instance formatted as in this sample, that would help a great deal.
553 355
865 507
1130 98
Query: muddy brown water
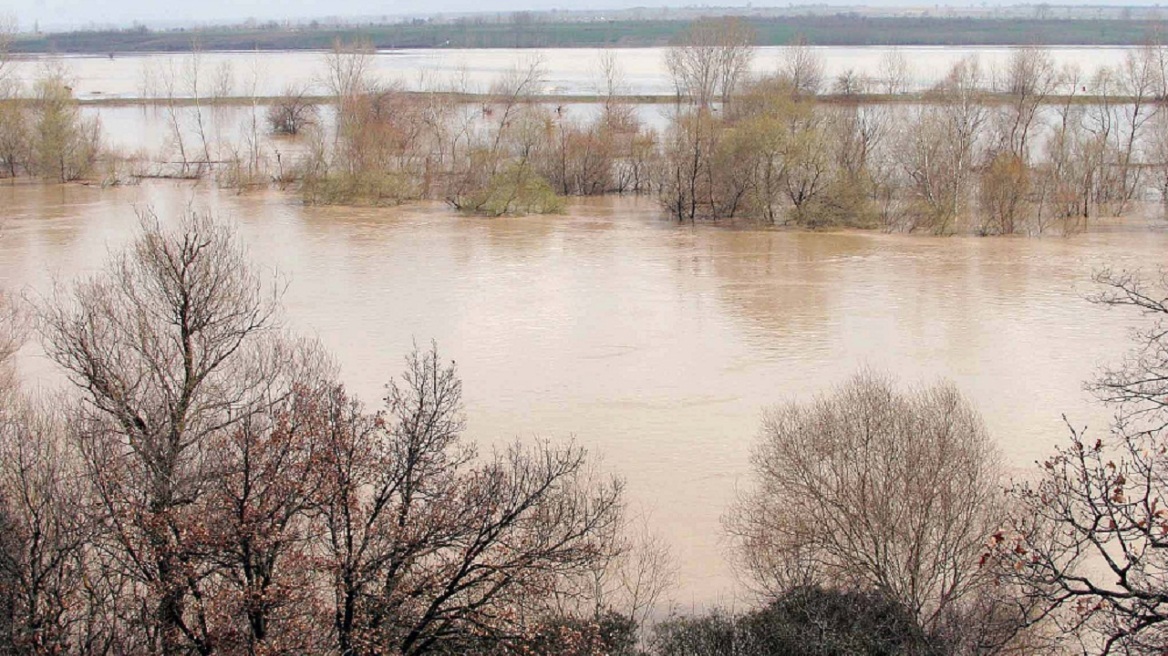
654 345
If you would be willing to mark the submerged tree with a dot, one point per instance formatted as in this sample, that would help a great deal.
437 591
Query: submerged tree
63 145
710 59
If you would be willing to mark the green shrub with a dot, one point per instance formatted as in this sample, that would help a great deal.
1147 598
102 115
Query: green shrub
361 188
517 189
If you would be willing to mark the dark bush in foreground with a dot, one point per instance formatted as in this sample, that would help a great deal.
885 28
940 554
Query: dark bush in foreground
809 621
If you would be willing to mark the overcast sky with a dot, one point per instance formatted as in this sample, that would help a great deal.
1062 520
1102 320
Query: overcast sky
58 14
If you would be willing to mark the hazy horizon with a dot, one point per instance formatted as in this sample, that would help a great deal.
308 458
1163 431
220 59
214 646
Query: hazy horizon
71 14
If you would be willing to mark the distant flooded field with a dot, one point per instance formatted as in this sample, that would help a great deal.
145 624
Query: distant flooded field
569 71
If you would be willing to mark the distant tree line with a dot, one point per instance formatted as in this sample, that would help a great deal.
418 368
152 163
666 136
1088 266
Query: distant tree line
533 30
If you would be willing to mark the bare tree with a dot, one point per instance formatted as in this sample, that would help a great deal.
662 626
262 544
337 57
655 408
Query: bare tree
195 88
879 489
1142 78
348 74
292 112
610 76
238 174
1138 386
509 94
184 87
851 83
803 67
498 175
8 27
688 149
632 579
1031 76
895 72
1063 179
427 546
620 119
940 146
964 115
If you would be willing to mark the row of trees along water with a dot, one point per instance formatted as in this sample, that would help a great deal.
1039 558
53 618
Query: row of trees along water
206 485
1030 147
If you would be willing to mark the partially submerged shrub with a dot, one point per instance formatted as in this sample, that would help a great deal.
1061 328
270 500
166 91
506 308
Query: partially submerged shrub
360 188
517 189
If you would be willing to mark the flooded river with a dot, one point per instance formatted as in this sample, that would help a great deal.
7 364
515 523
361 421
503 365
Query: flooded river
655 345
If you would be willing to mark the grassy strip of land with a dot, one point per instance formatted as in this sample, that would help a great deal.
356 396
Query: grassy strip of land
837 30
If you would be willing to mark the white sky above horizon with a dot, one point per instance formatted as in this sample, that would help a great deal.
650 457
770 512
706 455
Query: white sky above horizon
71 14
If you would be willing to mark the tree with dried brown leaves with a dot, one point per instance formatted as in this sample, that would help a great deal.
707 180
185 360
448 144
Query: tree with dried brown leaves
1089 538
171 347
432 547
215 490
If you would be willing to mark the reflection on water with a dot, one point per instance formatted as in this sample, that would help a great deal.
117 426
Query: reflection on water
653 344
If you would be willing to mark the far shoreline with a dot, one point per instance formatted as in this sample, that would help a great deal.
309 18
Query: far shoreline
843 29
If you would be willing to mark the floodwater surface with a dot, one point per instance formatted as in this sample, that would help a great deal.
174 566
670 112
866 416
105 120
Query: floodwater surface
655 345
566 71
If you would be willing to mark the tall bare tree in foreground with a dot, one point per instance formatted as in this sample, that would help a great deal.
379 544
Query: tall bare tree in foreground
1089 539
170 347
878 489
223 494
